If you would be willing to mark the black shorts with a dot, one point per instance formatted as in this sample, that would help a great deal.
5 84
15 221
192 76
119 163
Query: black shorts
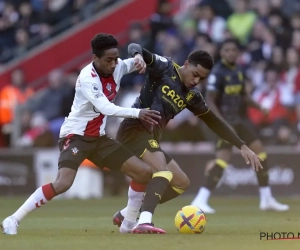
137 139
102 151
245 130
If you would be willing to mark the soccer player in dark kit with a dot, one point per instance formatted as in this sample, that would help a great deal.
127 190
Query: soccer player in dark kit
226 96
168 89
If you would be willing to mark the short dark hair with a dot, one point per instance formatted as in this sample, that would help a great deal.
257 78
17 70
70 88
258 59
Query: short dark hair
201 57
102 42
272 67
230 40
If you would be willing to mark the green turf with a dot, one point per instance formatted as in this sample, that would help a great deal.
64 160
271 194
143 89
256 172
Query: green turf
74 224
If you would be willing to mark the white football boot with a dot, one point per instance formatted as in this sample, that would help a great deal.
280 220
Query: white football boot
272 204
207 209
10 225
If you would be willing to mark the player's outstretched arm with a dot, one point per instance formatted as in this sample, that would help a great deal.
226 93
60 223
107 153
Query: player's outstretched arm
211 97
95 95
226 133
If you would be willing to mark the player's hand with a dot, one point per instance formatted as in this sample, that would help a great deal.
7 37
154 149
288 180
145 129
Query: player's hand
139 63
251 158
149 116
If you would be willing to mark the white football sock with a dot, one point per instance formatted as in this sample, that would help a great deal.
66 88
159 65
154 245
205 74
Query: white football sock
265 192
135 201
145 217
202 196
36 200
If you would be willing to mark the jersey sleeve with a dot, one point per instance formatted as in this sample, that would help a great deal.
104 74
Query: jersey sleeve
158 65
214 82
197 104
93 92
127 65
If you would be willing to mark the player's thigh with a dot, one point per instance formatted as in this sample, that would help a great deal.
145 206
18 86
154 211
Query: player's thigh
156 160
180 179
115 156
138 170
74 150
110 154
144 146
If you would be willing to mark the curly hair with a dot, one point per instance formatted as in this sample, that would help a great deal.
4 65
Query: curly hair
201 57
102 42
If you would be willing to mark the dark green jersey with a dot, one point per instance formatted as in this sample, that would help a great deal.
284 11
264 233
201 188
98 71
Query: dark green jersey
164 91
229 83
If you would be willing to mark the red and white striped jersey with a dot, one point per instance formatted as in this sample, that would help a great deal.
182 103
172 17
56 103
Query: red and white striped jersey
93 101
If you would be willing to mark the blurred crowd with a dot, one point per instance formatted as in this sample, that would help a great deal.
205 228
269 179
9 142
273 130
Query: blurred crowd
25 24
269 35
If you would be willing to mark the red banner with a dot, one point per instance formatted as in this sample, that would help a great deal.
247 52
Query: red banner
78 43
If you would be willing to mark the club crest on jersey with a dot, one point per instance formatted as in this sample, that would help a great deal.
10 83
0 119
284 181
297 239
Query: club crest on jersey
108 87
153 144
190 95
74 151
95 88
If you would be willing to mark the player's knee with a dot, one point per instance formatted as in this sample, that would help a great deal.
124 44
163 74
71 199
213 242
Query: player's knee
182 182
209 167
185 183
145 174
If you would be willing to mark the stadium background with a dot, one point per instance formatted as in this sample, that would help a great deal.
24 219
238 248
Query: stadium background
44 44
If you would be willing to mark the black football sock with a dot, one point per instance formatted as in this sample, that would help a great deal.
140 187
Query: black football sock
154 192
262 174
215 174
171 193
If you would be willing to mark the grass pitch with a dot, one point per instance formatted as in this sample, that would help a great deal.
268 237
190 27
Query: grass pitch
77 225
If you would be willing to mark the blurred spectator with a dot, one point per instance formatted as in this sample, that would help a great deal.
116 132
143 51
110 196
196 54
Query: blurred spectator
36 131
25 24
240 23
11 96
292 72
274 96
211 24
162 20
50 101
269 31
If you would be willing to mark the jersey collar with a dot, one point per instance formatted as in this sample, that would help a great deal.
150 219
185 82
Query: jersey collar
232 67
176 67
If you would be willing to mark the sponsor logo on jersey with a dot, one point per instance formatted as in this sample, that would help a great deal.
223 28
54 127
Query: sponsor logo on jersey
172 97
233 89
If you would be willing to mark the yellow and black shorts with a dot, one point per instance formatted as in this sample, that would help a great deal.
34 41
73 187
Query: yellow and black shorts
138 140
